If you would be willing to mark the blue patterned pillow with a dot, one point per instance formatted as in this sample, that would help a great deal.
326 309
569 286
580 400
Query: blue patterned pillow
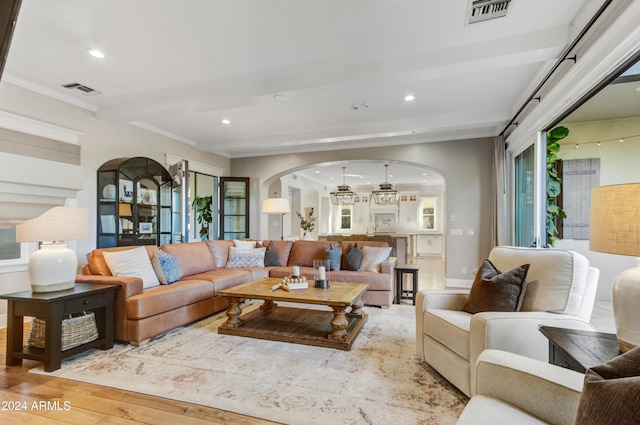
333 255
245 258
166 268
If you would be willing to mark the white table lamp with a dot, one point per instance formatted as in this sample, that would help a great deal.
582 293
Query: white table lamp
54 266
277 205
615 229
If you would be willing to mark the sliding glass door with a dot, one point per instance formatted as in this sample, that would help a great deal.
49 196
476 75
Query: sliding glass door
525 233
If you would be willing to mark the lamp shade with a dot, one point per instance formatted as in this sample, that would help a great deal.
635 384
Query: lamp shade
615 229
53 267
56 224
276 206
615 219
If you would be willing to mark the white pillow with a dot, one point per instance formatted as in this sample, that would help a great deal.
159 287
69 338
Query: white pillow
372 257
133 263
246 258
246 244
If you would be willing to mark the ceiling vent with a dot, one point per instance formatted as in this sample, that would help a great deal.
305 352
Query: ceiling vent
87 91
483 10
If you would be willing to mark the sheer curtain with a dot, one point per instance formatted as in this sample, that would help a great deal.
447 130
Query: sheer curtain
500 222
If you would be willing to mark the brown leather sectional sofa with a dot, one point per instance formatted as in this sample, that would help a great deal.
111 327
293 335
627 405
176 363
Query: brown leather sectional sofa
141 314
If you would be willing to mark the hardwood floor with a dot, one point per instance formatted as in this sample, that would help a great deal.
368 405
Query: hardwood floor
37 399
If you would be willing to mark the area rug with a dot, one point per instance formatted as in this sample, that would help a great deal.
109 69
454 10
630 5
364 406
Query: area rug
379 381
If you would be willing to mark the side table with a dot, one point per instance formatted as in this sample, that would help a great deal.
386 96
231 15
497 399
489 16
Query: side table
579 350
52 307
401 293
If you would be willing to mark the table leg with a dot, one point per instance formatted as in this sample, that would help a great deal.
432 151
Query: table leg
339 324
268 305
233 314
53 337
15 332
356 308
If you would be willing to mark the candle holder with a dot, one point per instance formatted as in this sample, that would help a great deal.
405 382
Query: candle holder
320 273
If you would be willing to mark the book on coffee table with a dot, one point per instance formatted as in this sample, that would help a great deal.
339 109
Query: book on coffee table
295 285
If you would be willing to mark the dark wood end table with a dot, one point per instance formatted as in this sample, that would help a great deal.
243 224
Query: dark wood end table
579 350
52 307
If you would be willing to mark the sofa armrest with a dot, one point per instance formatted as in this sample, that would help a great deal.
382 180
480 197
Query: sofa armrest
516 332
130 285
545 391
388 265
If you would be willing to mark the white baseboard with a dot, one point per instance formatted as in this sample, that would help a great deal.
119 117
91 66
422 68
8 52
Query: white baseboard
458 283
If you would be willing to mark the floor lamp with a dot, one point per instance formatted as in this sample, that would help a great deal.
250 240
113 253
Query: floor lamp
277 205
615 229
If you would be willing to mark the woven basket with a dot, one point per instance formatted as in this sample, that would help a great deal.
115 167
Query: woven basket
75 331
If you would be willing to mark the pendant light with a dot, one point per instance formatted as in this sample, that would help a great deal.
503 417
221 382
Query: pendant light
344 195
386 195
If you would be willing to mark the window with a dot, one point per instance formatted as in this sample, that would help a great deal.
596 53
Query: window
9 248
428 214
345 217
14 256
524 198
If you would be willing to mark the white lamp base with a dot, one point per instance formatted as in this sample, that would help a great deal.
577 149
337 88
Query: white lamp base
53 268
625 299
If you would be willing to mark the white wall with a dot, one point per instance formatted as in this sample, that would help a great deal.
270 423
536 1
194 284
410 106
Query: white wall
466 166
100 141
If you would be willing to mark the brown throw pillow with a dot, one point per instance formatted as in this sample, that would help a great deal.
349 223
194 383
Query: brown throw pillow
493 290
611 392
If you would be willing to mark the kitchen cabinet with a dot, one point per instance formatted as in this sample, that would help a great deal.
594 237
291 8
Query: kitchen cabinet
429 244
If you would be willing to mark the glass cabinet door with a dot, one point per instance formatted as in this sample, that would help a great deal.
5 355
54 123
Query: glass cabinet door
134 203
234 207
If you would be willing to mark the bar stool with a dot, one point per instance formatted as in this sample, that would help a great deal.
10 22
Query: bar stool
401 293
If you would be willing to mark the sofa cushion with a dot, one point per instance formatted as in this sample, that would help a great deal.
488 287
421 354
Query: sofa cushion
555 280
610 392
483 410
376 281
450 328
97 264
132 263
193 257
246 257
334 255
352 258
372 257
304 252
219 250
223 278
165 298
283 248
166 267
493 290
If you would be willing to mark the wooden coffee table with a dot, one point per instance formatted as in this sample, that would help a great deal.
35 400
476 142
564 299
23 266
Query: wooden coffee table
335 329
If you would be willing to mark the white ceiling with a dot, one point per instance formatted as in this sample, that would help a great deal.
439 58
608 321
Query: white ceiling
288 74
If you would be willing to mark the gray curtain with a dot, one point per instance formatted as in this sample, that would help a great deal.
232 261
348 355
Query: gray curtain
500 222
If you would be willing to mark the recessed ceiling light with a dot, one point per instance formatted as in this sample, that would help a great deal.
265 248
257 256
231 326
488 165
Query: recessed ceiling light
409 98
96 53
225 121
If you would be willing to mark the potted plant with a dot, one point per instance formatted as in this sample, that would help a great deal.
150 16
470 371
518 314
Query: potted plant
307 223
202 207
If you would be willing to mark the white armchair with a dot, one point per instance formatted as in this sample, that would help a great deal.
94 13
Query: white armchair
512 389
561 290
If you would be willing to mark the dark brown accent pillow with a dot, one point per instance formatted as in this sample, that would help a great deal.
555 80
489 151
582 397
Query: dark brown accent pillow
352 258
611 392
493 290
271 256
